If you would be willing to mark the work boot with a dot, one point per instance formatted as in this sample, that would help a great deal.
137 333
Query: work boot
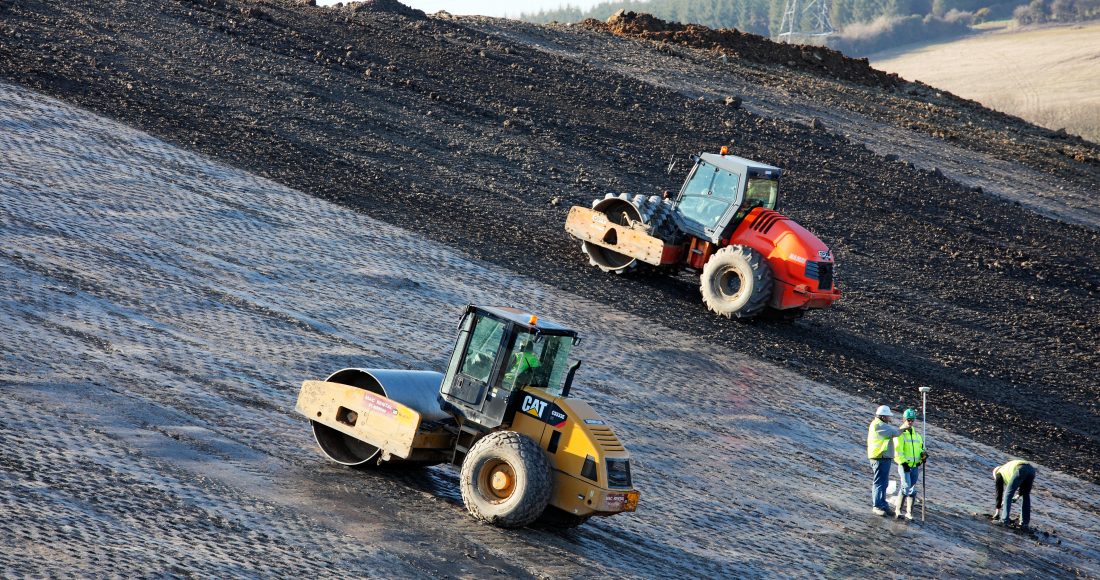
909 507
898 503
878 511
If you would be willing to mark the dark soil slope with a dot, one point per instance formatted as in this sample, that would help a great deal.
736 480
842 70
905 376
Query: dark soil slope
943 115
483 144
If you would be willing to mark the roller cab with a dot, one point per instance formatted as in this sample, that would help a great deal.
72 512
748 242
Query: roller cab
501 412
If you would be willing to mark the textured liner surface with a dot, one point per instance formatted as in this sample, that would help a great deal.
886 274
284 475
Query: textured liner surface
160 309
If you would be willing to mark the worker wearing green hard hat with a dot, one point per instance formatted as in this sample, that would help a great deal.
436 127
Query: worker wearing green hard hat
910 456
524 362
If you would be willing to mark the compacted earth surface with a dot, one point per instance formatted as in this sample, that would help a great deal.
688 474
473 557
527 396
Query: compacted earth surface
160 309
968 242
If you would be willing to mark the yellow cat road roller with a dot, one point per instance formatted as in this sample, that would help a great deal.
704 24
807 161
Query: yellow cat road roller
501 411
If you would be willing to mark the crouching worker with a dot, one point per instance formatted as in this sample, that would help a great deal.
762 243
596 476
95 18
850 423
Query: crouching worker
909 455
1013 477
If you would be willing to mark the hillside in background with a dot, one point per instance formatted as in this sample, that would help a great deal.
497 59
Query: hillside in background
863 26
1049 76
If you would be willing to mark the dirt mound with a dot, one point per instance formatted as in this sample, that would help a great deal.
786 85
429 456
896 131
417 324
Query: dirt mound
737 44
381 6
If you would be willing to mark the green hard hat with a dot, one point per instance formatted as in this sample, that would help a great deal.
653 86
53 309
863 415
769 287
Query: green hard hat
910 414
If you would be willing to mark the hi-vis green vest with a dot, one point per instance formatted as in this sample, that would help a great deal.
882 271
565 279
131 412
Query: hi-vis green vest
524 361
1010 470
876 445
908 447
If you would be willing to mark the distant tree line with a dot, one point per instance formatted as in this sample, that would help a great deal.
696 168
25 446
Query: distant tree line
886 32
865 26
1040 11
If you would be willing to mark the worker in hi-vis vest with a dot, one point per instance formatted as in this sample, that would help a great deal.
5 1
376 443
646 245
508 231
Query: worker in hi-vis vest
524 362
880 453
909 455
1013 478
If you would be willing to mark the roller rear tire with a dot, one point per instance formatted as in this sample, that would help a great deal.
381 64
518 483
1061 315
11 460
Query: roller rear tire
736 282
506 480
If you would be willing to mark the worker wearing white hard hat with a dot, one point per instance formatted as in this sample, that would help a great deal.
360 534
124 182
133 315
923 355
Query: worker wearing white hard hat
880 454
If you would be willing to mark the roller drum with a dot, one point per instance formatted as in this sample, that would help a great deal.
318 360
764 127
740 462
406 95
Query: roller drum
626 210
417 390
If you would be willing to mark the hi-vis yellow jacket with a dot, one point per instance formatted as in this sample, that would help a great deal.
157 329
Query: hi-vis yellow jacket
880 440
1011 470
908 447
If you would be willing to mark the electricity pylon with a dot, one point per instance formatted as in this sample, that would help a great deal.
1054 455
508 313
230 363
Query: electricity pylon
805 23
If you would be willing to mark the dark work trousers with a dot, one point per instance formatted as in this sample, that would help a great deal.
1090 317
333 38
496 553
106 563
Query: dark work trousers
1022 482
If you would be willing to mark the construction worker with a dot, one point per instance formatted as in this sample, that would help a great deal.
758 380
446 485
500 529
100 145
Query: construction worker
524 362
909 455
880 453
1014 477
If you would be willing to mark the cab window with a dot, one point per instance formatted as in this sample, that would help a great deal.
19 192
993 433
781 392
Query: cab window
536 361
759 193
724 186
708 194
762 192
699 182
482 350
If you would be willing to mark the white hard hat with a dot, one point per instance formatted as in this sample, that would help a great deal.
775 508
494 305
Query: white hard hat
884 411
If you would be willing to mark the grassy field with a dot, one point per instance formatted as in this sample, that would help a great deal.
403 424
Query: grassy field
1048 75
